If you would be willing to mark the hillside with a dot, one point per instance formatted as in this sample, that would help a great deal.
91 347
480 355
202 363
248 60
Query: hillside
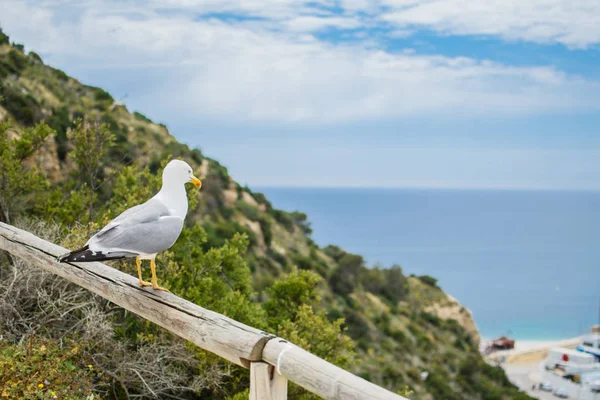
401 332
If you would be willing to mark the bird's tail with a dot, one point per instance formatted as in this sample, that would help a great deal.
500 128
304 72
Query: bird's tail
84 254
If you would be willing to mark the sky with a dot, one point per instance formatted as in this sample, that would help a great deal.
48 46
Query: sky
501 94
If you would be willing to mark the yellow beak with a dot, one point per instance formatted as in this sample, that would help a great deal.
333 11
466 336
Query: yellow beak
196 182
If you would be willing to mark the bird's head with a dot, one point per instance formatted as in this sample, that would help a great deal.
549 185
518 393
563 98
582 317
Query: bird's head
178 171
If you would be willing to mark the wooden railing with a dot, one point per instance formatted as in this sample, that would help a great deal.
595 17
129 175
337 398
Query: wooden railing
272 360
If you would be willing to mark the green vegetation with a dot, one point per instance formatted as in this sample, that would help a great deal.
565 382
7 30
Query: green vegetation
44 369
16 180
428 280
4 39
69 164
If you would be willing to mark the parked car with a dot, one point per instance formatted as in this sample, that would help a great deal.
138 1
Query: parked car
561 392
547 386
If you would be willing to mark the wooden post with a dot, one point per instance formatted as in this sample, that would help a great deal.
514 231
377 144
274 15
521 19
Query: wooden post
279 386
260 387
266 383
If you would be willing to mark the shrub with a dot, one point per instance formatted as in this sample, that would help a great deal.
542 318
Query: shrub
261 199
300 219
102 95
17 181
266 228
284 218
344 278
287 294
428 280
437 384
36 57
23 107
196 155
42 368
141 117
358 328
60 122
388 283
60 74
4 39
430 318
248 210
17 59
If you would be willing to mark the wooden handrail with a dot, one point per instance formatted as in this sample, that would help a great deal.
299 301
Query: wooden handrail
241 344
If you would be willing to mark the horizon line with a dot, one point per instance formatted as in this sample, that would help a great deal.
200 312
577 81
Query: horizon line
448 188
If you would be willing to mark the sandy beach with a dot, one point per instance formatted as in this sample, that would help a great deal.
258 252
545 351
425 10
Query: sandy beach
530 351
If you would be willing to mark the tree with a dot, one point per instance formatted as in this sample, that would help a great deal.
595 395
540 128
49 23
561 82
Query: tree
91 140
344 279
291 315
16 178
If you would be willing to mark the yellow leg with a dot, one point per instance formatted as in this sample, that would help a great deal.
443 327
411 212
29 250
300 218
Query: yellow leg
154 280
138 263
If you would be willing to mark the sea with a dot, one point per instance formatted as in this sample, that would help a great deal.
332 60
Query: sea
526 263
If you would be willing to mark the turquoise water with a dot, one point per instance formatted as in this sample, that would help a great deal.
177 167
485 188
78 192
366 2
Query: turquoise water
527 263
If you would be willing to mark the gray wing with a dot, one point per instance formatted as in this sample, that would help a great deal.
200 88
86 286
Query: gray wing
145 229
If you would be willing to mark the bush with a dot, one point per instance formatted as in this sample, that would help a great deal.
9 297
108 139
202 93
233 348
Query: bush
437 384
300 219
102 95
358 328
248 210
42 368
428 280
141 117
430 318
284 218
36 57
60 74
261 199
266 228
18 59
60 122
388 283
23 107
344 278
197 156
4 39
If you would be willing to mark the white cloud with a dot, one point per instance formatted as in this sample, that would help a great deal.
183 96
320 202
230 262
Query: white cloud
574 23
313 23
275 70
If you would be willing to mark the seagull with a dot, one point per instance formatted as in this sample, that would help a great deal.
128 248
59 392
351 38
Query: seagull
146 229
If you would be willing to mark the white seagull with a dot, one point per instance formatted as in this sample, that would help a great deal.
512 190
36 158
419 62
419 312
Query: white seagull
146 229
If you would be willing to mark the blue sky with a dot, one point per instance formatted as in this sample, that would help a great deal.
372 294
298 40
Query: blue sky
385 93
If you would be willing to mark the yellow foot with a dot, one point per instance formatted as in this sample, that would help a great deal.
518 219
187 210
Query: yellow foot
144 283
156 287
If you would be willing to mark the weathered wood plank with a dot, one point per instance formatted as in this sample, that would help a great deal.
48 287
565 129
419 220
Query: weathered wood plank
260 385
279 386
319 376
211 331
